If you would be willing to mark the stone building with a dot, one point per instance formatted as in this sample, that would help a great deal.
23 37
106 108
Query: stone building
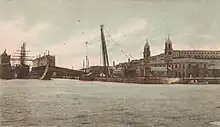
177 63
185 63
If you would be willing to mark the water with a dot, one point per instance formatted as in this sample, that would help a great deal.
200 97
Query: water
73 103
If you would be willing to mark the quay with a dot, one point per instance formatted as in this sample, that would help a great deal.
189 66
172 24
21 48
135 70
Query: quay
142 80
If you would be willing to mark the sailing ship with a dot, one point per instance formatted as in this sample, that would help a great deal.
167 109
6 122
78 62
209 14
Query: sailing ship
5 66
21 70
41 68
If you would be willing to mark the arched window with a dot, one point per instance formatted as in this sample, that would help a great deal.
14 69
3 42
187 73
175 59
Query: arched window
170 46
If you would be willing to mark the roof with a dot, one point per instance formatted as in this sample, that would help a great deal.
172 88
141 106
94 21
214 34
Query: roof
200 50
168 41
146 44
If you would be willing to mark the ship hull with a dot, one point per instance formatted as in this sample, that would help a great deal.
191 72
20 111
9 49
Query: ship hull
6 71
22 72
42 72
86 79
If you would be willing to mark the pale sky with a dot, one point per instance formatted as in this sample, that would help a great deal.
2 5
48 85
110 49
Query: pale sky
63 26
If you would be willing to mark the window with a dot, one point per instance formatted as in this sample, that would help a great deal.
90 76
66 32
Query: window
170 46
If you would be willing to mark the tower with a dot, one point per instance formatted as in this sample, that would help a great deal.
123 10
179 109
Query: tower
146 55
168 54
168 51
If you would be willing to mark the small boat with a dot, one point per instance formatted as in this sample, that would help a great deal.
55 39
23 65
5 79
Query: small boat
194 81
170 80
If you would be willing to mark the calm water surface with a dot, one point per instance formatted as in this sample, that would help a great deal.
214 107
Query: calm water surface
70 103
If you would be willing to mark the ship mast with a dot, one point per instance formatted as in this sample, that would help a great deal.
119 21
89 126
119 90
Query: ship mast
22 55
104 53
87 59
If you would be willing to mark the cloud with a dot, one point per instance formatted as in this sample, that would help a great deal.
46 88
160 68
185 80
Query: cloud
130 28
205 36
16 31
126 37
73 49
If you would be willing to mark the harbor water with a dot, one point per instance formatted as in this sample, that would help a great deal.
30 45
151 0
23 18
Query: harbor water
71 103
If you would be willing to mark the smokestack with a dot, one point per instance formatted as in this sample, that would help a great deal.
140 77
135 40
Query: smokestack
129 60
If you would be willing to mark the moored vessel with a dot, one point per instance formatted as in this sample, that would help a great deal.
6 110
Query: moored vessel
21 70
194 81
5 66
42 67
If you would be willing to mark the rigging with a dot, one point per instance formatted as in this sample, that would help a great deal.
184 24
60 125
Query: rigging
118 45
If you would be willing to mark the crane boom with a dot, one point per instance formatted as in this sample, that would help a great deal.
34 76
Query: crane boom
104 53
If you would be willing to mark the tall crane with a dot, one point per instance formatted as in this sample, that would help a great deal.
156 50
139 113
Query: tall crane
104 53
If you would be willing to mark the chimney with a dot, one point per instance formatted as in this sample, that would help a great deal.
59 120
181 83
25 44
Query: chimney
129 60
113 63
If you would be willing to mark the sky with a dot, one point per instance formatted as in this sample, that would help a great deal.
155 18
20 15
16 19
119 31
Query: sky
63 27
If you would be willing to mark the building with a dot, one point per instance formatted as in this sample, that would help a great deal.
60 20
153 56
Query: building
177 63
43 60
5 58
